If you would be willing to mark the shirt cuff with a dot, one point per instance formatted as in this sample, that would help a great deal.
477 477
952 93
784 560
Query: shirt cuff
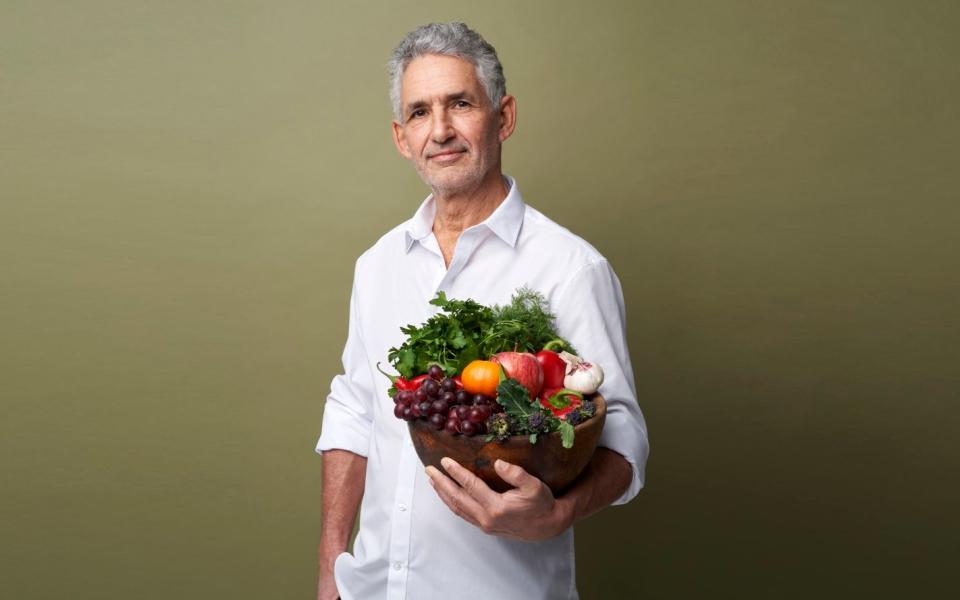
623 435
343 429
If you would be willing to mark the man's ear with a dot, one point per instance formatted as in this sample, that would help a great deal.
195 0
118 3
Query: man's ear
400 141
508 117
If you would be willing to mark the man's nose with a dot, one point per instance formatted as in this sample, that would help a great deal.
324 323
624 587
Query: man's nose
441 128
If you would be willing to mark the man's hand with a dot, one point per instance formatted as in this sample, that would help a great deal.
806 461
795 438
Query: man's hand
528 512
343 482
327 585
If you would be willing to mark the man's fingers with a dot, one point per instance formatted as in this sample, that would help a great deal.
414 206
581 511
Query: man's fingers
470 483
455 497
516 476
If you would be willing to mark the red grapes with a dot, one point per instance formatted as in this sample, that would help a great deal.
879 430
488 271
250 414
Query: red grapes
445 405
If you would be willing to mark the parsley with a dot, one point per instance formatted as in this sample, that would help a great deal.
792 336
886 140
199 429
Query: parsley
451 339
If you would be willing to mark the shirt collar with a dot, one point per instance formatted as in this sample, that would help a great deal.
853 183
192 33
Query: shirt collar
505 221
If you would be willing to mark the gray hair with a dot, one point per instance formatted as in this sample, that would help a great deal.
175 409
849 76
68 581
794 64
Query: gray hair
449 39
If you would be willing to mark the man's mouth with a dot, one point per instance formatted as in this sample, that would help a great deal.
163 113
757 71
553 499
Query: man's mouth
447 155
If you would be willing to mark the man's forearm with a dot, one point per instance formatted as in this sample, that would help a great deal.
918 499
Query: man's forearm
605 479
343 480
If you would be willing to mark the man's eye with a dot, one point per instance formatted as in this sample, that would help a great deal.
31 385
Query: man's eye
417 113
461 104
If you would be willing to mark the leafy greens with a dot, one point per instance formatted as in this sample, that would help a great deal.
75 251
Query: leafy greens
523 416
466 330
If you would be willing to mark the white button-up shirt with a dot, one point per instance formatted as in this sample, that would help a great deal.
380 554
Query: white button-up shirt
410 545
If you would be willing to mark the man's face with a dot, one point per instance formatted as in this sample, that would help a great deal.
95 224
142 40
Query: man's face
447 126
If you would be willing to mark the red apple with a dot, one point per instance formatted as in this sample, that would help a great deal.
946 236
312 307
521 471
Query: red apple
523 367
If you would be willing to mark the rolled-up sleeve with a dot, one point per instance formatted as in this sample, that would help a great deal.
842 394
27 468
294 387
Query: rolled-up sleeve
347 414
591 315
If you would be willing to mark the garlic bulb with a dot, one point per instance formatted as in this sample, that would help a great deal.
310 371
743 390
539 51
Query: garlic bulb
581 376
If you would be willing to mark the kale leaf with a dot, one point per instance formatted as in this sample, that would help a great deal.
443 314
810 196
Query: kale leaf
528 416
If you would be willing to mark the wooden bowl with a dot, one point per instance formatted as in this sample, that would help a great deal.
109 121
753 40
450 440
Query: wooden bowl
547 459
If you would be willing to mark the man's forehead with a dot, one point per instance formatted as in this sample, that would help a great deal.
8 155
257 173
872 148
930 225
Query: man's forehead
435 76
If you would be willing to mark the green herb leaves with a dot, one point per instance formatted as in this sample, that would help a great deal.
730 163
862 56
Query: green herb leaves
524 325
451 339
466 330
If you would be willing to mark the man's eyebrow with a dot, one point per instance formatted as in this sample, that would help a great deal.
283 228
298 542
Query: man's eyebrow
453 96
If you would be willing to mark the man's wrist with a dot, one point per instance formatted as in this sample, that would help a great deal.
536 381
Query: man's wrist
329 550
564 511
327 560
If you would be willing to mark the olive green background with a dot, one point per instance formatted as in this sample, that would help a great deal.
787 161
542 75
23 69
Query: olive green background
184 187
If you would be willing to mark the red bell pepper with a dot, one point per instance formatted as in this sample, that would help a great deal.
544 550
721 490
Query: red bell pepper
560 401
554 368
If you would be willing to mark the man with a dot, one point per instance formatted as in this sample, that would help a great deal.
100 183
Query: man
423 534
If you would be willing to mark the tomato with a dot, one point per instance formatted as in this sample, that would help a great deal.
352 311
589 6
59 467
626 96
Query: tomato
481 377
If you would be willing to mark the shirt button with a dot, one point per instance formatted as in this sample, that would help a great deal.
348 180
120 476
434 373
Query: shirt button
397 566
403 508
